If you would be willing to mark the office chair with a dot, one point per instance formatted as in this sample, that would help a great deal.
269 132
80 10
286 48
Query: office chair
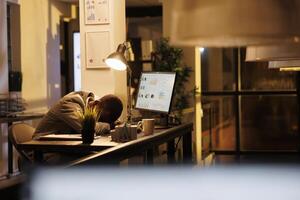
19 133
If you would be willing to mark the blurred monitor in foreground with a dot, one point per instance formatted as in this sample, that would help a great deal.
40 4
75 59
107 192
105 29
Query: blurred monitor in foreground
247 183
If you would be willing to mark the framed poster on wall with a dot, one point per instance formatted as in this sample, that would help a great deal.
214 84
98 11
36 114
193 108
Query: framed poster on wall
97 48
96 11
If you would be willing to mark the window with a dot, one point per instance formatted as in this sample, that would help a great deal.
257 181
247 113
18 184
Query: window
253 108
255 76
218 69
269 122
222 122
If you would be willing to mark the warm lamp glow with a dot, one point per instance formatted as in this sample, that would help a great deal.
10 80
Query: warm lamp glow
201 49
117 60
289 69
291 65
115 64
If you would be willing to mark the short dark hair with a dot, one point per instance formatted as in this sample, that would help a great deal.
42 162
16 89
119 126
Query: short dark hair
111 108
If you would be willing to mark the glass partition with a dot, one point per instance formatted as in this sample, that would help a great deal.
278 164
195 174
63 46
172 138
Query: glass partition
269 122
219 122
251 107
255 76
218 69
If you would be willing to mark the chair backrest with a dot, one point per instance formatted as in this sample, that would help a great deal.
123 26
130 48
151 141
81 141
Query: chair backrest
19 133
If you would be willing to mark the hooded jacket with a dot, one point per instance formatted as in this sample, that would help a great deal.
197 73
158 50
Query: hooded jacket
63 117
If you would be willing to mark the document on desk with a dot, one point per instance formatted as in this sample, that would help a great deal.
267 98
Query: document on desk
76 137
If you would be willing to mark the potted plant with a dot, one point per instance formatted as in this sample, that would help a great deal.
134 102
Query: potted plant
89 117
167 58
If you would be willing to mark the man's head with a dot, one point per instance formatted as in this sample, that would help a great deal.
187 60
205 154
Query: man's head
111 108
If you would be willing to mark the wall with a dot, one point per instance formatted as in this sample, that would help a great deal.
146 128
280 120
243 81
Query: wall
15 37
40 51
191 58
105 81
40 60
3 49
147 28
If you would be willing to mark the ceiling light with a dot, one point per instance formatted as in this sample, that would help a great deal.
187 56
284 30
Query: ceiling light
284 64
273 52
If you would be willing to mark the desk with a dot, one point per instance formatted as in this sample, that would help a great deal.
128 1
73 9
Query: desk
111 152
9 121
43 146
122 151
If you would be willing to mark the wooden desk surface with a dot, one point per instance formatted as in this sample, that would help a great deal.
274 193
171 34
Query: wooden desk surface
125 150
112 150
71 145
21 118
68 146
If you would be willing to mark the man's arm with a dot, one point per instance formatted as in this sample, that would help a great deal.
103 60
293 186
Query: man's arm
102 128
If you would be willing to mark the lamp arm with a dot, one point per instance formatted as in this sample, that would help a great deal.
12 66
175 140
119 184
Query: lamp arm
129 69
127 44
129 107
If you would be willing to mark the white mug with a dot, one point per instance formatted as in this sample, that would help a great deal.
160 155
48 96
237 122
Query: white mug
147 126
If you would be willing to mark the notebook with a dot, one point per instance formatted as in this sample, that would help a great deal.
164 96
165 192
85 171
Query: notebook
76 137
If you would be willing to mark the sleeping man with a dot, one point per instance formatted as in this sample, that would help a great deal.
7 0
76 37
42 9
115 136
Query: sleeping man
64 116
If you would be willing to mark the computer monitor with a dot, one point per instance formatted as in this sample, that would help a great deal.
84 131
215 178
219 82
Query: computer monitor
76 61
156 91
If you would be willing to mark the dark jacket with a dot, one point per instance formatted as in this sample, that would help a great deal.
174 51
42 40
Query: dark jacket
63 117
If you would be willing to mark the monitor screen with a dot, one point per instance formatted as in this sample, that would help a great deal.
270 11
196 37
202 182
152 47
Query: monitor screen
155 91
76 61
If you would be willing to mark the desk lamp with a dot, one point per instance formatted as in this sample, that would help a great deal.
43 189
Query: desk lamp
117 61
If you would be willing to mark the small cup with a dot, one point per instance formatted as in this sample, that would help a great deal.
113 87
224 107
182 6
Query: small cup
123 133
147 126
132 129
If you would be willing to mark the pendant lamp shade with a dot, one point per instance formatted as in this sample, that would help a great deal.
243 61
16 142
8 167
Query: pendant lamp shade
229 23
284 64
273 52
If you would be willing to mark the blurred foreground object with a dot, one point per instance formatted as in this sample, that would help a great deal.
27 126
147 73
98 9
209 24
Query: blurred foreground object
230 183
224 23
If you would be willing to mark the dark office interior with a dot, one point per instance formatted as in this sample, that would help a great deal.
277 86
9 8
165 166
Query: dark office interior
113 99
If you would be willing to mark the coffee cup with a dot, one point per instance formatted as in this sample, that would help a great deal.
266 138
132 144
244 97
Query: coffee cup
124 133
132 130
147 126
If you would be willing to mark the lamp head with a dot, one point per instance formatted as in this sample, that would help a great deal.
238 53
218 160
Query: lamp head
117 59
